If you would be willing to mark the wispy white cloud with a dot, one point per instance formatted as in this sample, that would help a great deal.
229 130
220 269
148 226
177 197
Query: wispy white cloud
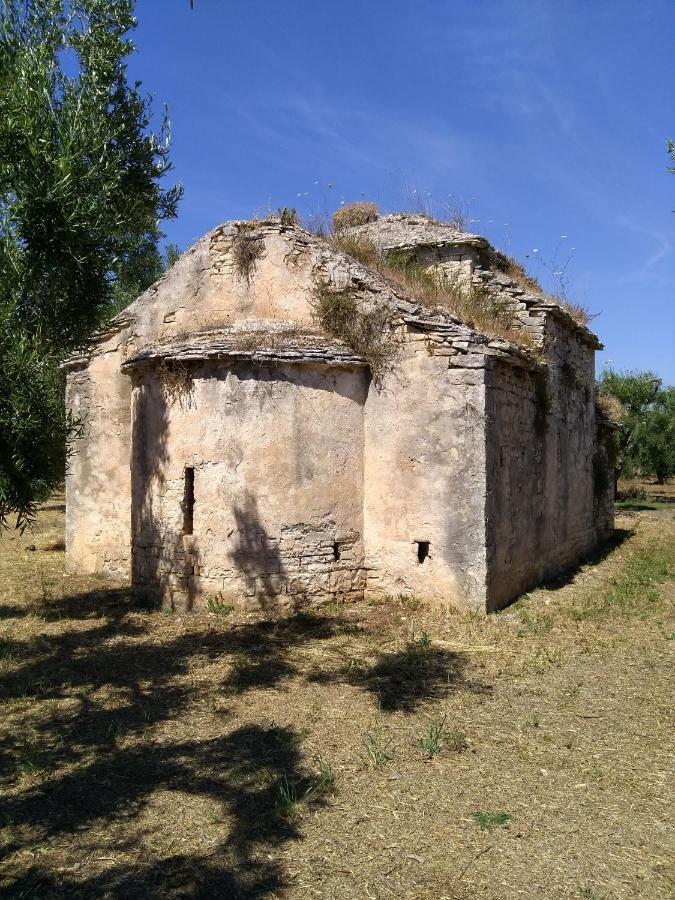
648 268
359 136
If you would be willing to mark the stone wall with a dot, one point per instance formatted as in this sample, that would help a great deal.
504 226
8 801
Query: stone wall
202 290
98 483
425 479
277 456
543 512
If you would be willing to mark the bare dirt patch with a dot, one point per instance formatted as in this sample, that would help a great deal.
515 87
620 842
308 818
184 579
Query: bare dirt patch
375 751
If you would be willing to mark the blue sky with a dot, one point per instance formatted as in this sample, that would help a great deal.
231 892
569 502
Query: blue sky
548 117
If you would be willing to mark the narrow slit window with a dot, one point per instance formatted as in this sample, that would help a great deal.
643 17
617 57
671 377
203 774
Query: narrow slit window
336 551
188 501
422 551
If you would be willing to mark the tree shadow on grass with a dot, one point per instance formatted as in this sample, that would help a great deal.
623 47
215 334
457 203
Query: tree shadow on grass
241 773
100 763
404 679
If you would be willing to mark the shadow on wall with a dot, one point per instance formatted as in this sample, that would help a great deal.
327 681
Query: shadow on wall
167 563
257 555
165 559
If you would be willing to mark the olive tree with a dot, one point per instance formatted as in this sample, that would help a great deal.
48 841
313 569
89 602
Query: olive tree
646 412
81 202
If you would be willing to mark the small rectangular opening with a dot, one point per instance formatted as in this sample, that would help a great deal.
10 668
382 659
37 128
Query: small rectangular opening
422 551
336 551
188 500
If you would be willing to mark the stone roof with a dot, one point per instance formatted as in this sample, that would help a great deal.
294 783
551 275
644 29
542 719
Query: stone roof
401 231
273 340
264 343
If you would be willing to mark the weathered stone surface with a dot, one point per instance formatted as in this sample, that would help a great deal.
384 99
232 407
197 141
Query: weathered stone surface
465 477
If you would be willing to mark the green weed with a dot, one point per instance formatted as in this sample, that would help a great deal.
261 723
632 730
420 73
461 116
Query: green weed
292 792
533 625
490 820
31 760
434 738
287 799
424 640
543 659
218 608
457 742
378 748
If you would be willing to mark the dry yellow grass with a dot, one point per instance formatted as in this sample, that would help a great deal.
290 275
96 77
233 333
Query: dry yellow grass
146 755
475 305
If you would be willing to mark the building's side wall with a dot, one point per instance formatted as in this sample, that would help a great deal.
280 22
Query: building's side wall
545 510
425 480
98 482
278 472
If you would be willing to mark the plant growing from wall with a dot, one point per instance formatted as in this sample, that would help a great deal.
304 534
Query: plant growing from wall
176 379
367 329
247 249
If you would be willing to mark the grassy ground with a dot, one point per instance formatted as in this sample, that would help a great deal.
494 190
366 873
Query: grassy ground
639 495
372 751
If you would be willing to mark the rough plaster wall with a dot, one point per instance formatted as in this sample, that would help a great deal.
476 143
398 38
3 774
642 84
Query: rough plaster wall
98 484
425 480
278 460
201 290
543 514
204 289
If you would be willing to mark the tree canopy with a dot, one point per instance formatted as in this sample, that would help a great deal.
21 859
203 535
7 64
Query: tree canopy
81 202
646 411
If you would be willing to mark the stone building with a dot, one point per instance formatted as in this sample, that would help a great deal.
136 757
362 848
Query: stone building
234 448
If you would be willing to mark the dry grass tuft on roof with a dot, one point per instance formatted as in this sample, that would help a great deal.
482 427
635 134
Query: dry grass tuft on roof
352 214
579 313
517 272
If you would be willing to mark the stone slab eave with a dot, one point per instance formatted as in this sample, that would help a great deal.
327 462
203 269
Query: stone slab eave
458 340
268 356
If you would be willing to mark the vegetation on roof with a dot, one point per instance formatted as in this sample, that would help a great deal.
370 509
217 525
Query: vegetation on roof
475 305
352 214
368 330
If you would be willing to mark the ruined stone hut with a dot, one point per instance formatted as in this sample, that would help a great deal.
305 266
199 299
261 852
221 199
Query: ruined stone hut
232 447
